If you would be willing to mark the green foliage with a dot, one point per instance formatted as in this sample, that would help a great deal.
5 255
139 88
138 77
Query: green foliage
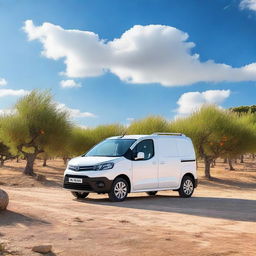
104 131
81 140
218 133
148 125
244 109
78 142
241 136
87 138
37 125
5 153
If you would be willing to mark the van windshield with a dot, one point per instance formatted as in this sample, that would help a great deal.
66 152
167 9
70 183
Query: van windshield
111 147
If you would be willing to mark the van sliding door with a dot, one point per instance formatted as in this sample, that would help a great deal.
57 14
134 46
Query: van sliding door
169 163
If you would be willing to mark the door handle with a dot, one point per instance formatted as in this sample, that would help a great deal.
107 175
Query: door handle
154 162
162 162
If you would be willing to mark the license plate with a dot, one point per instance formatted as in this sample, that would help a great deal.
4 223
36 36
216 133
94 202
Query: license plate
75 180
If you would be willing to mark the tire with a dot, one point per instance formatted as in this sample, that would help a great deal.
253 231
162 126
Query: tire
152 193
187 187
80 195
119 190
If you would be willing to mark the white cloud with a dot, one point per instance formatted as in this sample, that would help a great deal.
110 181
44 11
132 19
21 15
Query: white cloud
75 113
192 101
3 82
70 83
129 119
248 4
143 54
82 126
4 112
11 92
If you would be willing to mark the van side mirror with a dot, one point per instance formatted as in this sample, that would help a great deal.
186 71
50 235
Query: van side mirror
140 156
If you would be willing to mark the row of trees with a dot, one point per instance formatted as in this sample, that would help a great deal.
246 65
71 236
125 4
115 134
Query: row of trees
40 128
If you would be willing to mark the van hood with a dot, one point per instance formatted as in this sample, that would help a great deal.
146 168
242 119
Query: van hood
91 160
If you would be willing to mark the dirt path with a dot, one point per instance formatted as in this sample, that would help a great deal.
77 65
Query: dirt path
211 223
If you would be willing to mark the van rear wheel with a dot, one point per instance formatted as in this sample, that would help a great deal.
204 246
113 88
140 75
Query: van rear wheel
152 193
186 187
119 190
80 195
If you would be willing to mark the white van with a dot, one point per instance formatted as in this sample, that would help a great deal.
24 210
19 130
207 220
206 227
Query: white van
134 163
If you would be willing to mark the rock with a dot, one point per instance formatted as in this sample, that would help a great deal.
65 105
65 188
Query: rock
77 219
4 200
43 249
124 221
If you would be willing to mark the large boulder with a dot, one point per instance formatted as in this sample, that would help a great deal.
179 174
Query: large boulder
4 200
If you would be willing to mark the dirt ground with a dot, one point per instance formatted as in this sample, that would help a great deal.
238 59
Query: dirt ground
219 220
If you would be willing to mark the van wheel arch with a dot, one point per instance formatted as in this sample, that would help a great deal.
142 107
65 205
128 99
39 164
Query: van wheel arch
126 178
187 174
190 175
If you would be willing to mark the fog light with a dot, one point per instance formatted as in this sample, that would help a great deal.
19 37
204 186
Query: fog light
101 184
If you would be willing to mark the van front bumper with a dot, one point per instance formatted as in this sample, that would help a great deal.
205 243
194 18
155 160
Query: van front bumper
98 184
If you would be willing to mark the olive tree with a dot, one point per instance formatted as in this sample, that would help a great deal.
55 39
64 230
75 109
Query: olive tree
37 126
243 140
77 143
148 125
215 133
244 109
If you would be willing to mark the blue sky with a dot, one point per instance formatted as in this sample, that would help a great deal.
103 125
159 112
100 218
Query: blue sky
221 30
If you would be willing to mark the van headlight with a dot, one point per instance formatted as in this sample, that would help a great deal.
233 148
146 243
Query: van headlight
105 166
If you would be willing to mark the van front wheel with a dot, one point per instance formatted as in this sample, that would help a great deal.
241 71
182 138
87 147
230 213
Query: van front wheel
119 190
186 187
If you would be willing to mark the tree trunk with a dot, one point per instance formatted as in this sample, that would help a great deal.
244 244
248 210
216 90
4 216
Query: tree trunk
29 169
65 160
225 160
17 159
45 161
1 163
231 168
242 159
207 167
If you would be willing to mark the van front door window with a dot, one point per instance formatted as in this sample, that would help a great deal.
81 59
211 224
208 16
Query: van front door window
145 146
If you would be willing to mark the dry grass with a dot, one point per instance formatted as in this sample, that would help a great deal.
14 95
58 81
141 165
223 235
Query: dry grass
219 220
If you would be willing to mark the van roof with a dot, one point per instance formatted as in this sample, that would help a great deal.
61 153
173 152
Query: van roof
154 135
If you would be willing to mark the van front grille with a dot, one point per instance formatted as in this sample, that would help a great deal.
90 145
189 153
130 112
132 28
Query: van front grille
81 168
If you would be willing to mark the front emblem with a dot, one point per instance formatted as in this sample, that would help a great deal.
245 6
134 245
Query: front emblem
77 168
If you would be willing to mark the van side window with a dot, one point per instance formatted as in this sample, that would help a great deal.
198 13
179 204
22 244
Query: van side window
145 146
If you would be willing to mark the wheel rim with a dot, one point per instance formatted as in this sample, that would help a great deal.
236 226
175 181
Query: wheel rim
188 187
120 190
